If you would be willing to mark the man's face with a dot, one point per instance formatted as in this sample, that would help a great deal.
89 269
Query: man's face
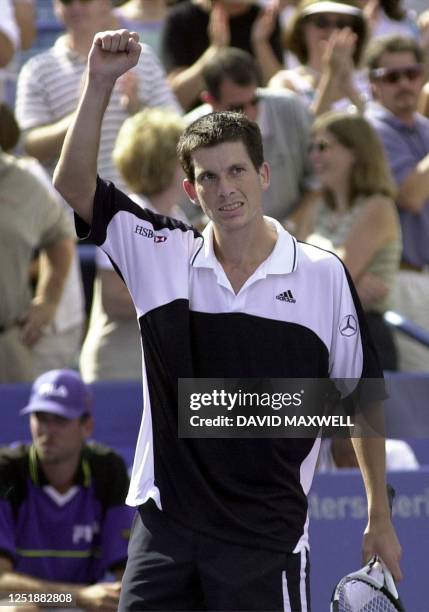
227 186
77 15
57 439
237 98
398 82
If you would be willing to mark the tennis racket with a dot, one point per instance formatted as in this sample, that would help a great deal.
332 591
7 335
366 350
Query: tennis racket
370 589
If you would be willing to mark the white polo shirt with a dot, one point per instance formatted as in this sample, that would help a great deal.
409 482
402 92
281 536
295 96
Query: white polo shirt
286 321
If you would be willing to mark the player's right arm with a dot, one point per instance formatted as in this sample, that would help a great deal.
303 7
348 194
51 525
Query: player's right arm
112 54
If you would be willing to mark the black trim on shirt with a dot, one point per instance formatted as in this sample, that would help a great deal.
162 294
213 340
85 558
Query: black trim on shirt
108 200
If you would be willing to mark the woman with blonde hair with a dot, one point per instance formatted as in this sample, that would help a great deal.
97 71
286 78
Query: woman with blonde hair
145 154
357 217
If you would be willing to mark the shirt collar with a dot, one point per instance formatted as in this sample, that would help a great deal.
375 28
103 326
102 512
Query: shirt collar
62 47
282 260
379 111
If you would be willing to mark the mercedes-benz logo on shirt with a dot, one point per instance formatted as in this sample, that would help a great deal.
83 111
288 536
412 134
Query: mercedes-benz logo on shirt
348 326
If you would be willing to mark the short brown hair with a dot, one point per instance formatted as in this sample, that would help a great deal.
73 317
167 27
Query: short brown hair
229 63
391 44
217 128
371 174
145 150
294 39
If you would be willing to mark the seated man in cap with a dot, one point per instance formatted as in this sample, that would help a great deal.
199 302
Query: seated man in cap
63 521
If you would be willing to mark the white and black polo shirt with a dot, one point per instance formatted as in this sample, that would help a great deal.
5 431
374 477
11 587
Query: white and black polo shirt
284 323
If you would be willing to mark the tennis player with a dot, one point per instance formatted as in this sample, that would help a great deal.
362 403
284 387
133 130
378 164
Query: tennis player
222 524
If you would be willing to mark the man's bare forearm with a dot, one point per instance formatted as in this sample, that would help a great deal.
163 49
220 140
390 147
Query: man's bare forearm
45 142
14 582
76 173
371 456
54 266
187 83
380 537
98 596
267 60
94 597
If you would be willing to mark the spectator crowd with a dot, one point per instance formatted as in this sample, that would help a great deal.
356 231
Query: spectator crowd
340 93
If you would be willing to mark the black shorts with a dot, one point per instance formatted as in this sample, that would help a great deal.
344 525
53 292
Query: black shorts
171 567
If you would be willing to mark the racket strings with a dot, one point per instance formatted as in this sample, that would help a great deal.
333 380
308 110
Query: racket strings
359 596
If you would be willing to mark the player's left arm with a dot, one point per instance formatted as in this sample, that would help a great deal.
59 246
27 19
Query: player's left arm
354 358
379 537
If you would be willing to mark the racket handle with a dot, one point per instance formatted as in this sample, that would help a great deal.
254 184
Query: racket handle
388 580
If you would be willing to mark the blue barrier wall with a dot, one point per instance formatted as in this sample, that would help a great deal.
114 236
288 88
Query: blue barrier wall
118 409
338 519
337 501
117 413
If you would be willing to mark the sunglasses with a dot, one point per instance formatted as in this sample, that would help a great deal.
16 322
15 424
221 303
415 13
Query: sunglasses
325 23
240 108
319 145
394 75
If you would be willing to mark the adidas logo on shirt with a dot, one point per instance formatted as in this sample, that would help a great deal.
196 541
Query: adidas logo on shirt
286 296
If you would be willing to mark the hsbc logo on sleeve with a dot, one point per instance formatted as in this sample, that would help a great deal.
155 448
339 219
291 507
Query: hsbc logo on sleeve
348 326
146 232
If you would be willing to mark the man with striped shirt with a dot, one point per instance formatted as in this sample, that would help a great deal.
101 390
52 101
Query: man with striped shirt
49 87
50 84
222 523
